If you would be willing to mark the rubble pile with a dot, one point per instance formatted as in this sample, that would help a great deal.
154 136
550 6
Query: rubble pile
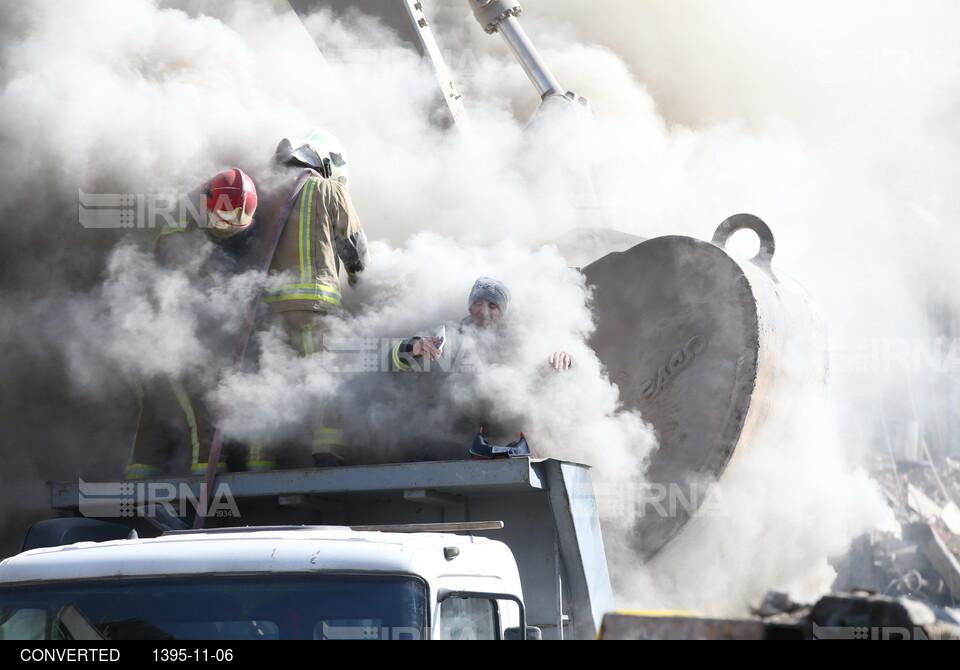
922 560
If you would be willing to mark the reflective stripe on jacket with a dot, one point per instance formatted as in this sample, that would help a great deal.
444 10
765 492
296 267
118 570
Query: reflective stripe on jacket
321 232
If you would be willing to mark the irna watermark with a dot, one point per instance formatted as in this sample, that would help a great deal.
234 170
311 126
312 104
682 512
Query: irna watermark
885 633
637 500
130 499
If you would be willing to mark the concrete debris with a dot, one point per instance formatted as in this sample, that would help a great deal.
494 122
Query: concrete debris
943 560
921 560
776 603
950 515
921 503
889 585
860 615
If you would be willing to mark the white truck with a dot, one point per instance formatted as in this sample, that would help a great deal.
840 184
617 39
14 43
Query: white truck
498 549
285 583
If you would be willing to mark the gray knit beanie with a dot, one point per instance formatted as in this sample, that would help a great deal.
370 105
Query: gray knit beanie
493 290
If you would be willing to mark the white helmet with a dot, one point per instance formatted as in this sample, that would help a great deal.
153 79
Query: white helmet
318 150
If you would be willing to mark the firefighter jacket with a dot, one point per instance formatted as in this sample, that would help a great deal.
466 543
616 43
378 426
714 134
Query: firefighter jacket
184 245
175 427
321 232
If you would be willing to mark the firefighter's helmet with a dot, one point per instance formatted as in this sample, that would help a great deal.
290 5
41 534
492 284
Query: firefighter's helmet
231 201
319 150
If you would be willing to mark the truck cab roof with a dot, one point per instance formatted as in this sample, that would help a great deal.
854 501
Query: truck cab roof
268 549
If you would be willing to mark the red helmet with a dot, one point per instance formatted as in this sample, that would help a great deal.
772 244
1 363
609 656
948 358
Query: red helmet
231 200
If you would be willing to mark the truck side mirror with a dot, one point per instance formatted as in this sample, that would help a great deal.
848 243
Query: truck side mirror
533 633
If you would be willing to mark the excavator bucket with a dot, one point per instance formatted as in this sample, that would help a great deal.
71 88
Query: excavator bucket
704 347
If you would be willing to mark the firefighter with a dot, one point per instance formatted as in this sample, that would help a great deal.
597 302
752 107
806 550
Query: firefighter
210 238
321 235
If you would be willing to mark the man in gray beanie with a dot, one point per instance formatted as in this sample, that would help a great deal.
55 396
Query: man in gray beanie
488 302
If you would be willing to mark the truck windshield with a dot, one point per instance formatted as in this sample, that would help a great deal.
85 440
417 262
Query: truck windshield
218 607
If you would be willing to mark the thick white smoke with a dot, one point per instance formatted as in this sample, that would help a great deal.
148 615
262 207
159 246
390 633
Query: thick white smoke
833 124
204 86
829 123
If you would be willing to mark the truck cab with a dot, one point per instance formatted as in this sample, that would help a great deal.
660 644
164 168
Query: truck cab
282 583
479 549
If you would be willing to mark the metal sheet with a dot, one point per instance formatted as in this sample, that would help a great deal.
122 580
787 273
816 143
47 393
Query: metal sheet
511 475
